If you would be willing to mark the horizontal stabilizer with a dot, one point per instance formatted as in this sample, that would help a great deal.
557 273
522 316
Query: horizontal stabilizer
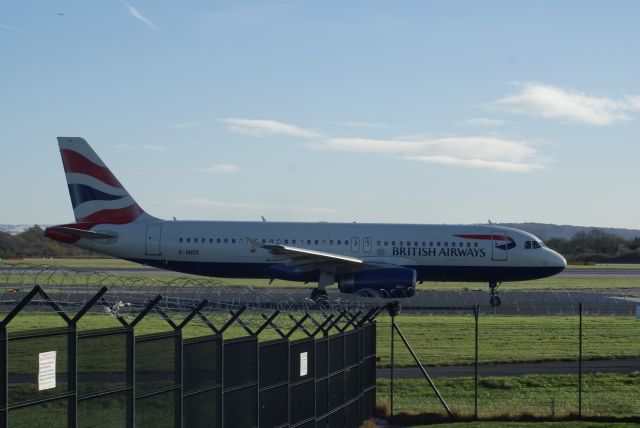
87 234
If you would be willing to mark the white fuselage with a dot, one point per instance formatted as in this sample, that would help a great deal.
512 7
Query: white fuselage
233 249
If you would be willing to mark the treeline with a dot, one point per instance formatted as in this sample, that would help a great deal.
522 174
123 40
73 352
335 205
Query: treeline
33 243
596 246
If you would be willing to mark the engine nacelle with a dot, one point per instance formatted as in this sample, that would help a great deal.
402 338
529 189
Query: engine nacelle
385 282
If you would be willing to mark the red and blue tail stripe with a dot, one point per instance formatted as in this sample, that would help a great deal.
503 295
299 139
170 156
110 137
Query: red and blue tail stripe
96 194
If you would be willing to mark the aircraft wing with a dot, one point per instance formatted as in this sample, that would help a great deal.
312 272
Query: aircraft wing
303 259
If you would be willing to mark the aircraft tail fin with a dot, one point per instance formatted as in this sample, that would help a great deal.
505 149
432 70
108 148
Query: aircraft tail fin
96 194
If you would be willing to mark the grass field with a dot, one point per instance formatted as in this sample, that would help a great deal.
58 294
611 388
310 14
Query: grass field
449 340
544 396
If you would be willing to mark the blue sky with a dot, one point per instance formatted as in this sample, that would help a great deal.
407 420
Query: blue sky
411 111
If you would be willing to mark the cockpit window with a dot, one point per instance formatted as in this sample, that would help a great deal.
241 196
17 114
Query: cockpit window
533 244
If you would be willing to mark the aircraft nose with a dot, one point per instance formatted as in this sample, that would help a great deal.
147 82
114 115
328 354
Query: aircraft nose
558 260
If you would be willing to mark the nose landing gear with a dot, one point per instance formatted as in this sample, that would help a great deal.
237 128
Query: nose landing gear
495 300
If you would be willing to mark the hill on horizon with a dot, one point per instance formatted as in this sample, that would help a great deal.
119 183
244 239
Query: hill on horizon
546 231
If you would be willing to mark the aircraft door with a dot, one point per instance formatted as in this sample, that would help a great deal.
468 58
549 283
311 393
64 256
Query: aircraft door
366 244
498 246
355 245
152 243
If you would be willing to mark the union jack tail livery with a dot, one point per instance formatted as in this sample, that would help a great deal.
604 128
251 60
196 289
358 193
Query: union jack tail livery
96 194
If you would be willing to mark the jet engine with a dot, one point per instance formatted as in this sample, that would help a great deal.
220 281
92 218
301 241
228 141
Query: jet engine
383 282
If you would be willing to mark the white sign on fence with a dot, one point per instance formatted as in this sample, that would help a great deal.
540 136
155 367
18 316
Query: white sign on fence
303 364
47 370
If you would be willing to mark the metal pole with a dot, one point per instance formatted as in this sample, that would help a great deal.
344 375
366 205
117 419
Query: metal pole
393 323
476 315
4 358
580 366
424 372
72 373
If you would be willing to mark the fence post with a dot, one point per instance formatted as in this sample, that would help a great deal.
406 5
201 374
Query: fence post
393 322
580 364
131 376
393 308
72 372
4 358
476 315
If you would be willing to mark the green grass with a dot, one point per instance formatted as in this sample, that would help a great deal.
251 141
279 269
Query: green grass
542 396
449 340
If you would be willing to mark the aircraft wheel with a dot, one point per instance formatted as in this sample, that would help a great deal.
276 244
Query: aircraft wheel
495 301
317 294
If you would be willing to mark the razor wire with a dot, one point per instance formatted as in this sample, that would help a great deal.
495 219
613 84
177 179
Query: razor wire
75 286
128 294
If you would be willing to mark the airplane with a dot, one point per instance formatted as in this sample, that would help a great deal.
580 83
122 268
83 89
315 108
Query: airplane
375 260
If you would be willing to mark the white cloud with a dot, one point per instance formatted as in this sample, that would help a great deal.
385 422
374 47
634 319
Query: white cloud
220 169
145 147
260 128
555 103
474 152
478 163
185 125
7 27
134 12
481 122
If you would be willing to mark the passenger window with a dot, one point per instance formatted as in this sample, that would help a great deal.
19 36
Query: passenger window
415 244
446 244
400 243
461 244
339 242
431 244
264 241
475 244
437 244
424 244
270 241
393 243
377 243
324 242
286 241
331 242
218 240
386 243
195 240
293 241
180 240
188 239
468 244
316 242
308 241
233 241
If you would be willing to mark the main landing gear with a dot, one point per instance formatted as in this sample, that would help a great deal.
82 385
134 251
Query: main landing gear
318 294
495 300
